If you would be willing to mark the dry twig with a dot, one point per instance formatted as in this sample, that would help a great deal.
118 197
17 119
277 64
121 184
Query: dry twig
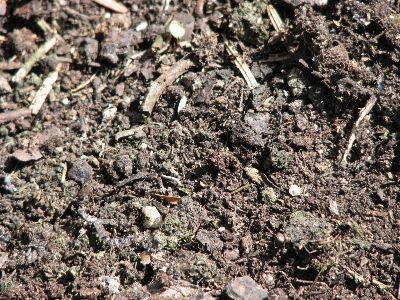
167 78
43 91
113 5
363 113
241 65
39 54
14 114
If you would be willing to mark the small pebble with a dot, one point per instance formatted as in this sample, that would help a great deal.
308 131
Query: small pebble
141 26
245 288
295 190
279 240
65 101
145 258
80 171
151 217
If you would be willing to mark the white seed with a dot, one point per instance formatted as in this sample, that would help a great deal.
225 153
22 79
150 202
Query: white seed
141 26
151 217
182 103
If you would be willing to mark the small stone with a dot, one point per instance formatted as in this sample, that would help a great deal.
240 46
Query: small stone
141 26
301 122
297 81
295 190
145 258
4 85
279 240
257 121
151 217
269 279
123 165
245 288
80 171
295 106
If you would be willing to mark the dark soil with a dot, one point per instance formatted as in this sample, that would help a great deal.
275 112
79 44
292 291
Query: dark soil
247 181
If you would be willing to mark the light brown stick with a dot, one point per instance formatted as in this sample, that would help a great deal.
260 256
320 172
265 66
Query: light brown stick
363 113
167 78
14 114
113 5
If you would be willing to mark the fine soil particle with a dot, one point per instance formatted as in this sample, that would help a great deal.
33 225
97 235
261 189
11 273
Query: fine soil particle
153 171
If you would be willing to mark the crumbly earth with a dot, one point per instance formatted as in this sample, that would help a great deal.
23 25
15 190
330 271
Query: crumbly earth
248 181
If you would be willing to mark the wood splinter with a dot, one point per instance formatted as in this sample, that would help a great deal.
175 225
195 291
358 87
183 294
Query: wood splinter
363 113
240 64
158 86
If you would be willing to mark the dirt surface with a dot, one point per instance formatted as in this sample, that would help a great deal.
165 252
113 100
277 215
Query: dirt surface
156 169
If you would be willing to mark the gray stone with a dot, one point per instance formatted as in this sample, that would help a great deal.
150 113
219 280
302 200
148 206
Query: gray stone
245 288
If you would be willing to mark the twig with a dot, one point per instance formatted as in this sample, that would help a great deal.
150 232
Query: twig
118 74
167 78
363 113
240 64
97 223
128 132
113 5
198 10
4 65
14 114
43 91
139 176
83 84
172 179
39 54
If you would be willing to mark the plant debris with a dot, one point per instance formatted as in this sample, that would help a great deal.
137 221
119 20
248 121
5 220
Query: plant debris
207 149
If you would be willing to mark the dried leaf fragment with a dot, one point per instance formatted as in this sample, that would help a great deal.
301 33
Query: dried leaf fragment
24 155
171 199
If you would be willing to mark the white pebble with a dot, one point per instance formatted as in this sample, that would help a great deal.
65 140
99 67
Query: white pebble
151 217
295 190
65 101
141 26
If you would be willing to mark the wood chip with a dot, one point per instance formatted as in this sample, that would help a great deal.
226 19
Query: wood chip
113 5
25 155
167 78
43 91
